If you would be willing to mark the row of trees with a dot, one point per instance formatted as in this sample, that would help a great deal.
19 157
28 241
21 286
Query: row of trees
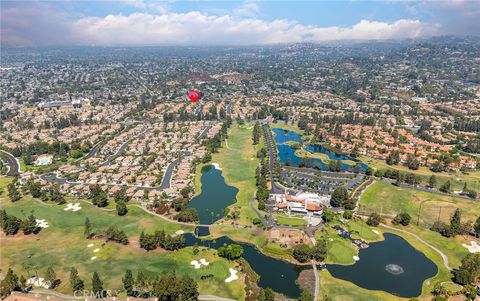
261 174
455 227
11 224
168 287
112 233
160 239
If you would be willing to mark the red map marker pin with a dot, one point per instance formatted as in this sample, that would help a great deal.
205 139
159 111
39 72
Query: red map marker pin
193 95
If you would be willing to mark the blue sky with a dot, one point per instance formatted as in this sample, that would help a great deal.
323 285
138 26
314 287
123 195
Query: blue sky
145 22
321 13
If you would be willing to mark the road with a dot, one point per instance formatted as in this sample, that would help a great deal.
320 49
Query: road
204 131
12 162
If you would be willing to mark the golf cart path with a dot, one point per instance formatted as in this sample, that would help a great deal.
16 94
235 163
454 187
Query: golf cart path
444 257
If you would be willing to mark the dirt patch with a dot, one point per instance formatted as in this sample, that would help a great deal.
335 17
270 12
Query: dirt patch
306 280
17 237
287 237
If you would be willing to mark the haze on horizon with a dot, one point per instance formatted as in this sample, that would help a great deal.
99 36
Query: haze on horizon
249 22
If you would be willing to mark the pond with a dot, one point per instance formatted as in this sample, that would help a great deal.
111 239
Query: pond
216 195
287 153
392 265
276 274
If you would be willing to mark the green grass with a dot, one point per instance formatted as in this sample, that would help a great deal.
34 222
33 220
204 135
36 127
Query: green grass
457 179
289 220
390 200
238 162
62 246
325 159
341 290
363 230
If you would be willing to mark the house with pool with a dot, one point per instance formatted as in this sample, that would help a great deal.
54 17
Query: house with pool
44 160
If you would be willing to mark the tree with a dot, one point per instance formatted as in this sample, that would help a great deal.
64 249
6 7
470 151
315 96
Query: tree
29 225
188 215
348 214
231 252
456 222
305 296
97 285
328 215
8 284
319 251
9 223
432 182
51 277
188 289
87 229
302 253
34 188
266 294
101 200
13 193
476 227
339 196
75 282
402 218
374 219
445 187
121 208
128 282
469 270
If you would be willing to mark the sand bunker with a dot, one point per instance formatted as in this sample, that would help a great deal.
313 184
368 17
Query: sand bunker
179 232
96 250
356 258
38 282
375 231
233 275
93 258
217 166
73 207
196 264
473 248
90 245
41 223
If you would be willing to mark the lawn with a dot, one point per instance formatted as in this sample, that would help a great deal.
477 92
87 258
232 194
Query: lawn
285 220
238 160
457 179
325 159
390 200
341 290
62 246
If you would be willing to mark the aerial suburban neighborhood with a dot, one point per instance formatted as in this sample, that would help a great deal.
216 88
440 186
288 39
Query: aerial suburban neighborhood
322 167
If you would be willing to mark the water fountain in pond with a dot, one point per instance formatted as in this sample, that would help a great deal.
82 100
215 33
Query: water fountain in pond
394 269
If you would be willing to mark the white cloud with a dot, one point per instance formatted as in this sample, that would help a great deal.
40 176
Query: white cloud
249 8
199 28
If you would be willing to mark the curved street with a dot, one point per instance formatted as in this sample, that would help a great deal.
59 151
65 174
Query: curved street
12 162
